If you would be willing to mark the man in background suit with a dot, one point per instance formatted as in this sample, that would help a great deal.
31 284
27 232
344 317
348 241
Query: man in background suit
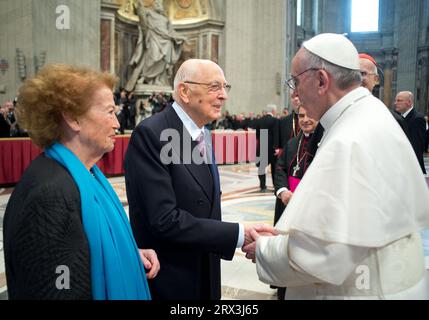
270 124
4 122
289 125
370 78
173 188
416 123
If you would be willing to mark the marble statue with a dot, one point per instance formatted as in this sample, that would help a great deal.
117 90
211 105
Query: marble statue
158 48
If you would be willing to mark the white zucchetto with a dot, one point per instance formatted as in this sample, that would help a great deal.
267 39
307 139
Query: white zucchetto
334 48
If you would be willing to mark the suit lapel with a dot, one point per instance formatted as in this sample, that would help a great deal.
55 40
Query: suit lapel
410 116
200 172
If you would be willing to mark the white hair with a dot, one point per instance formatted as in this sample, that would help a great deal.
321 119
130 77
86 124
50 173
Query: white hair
188 71
375 70
271 108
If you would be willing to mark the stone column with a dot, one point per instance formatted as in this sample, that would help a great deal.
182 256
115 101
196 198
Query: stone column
422 85
407 28
291 45
388 80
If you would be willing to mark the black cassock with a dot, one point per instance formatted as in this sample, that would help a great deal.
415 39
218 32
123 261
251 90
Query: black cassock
287 163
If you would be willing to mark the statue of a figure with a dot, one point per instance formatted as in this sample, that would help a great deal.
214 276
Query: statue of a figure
158 48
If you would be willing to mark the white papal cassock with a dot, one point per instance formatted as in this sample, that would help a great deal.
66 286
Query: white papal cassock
351 229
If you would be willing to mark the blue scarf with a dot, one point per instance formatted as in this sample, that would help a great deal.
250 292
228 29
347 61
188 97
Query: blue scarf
117 272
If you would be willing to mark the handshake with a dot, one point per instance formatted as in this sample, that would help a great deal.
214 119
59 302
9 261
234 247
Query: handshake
251 234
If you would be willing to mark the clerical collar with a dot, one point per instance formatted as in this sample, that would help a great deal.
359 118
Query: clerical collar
189 124
306 134
406 113
333 113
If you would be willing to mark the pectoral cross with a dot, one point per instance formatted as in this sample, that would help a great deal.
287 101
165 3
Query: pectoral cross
295 169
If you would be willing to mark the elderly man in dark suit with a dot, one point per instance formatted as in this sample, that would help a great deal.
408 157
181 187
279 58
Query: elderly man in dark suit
416 123
173 188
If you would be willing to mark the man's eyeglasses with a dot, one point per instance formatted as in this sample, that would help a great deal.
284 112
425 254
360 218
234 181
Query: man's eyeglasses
291 83
212 87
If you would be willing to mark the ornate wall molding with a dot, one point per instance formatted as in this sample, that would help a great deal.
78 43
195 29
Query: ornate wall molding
205 31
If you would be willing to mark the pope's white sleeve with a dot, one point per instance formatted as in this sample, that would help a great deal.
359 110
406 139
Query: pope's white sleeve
299 259
273 264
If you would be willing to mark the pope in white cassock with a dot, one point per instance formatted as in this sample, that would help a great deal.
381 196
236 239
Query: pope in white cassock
352 228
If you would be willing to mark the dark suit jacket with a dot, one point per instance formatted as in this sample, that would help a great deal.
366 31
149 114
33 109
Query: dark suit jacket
4 127
175 209
427 140
271 124
43 230
402 123
286 127
417 128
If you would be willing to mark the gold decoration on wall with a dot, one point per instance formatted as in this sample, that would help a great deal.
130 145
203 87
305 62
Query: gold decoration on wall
204 5
184 9
178 11
185 4
128 9
148 3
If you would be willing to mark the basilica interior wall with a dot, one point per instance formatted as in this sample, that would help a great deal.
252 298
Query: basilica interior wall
253 40
15 23
35 33
400 47
255 36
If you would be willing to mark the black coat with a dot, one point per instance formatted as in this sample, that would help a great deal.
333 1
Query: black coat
175 209
4 127
42 231
402 123
271 124
427 140
417 128
286 129
287 161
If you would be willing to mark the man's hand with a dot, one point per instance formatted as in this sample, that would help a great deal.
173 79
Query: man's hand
285 196
250 249
261 229
150 262
252 233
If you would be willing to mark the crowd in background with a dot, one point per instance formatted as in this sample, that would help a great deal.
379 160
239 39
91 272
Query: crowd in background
241 121
9 127
131 111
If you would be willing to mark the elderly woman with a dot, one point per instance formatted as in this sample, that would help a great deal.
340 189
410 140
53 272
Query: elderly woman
66 234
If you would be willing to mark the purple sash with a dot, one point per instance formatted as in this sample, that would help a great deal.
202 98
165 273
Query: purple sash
293 183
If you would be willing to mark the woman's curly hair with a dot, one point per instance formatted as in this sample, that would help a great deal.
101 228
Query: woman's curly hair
56 90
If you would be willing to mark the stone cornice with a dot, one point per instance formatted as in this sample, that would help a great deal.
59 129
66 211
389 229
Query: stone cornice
203 23
110 5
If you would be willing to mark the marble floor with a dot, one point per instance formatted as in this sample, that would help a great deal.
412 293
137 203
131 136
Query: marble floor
241 202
